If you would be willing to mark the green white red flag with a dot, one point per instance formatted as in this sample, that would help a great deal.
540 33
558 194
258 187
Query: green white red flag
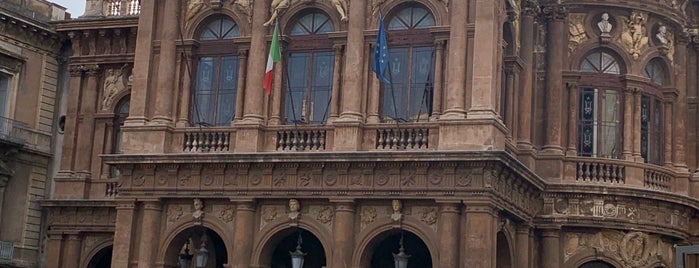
274 56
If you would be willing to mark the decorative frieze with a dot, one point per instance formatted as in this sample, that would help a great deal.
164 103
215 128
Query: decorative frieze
634 249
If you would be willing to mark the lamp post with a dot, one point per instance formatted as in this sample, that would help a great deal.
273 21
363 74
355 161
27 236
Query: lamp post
185 257
202 254
401 259
297 256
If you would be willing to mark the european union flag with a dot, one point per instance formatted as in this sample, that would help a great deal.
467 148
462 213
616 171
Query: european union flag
381 54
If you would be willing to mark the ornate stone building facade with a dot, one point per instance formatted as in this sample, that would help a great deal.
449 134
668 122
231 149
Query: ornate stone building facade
31 64
513 133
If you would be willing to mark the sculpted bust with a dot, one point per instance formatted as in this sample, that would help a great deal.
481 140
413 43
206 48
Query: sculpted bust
604 25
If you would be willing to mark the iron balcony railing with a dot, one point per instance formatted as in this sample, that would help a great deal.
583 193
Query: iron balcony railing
6 250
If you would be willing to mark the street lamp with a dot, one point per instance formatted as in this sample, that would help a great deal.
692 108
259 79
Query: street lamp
401 259
202 254
185 257
297 256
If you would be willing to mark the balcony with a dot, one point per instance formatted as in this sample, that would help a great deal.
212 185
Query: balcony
113 8
603 171
6 249
20 134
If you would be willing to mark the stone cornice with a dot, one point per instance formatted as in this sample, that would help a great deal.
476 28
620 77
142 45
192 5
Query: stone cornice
29 34
96 24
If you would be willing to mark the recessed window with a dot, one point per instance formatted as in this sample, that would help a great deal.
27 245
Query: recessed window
600 62
310 70
655 71
216 83
408 96
4 94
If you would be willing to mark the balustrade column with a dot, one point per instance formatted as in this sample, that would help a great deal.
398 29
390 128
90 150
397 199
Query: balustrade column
352 81
437 88
72 250
138 105
85 135
573 102
257 61
242 75
343 234
628 124
243 234
681 107
121 251
150 230
458 46
667 124
551 247
337 75
164 92
480 244
524 112
637 126
523 249
557 35
449 223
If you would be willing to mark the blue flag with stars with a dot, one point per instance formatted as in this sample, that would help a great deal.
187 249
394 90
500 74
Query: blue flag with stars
381 54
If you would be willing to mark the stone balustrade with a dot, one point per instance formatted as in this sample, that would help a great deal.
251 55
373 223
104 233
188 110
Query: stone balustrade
204 140
301 140
657 178
397 138
599 171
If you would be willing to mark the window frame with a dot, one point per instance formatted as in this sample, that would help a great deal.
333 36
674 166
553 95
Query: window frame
412 40
219 50
313 45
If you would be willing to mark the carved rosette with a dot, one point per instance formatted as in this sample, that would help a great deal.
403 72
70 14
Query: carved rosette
225 213
176 212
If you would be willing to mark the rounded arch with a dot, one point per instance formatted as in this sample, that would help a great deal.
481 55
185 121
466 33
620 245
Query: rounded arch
659 69
200 21
361 255
194 237
590 255
612 49
176 236
434 8
202 28
102 249
277 230
299 9
503 251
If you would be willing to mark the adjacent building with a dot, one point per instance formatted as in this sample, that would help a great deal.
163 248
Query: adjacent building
31 76
511 133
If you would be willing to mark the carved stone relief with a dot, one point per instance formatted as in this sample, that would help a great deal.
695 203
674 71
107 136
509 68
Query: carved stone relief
666 40
323 214
428 215
634 37
270 213
634 249
192 9
114 83
175 212
576 30
225 213
367 216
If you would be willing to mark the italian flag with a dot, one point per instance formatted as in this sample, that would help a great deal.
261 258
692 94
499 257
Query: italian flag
274 56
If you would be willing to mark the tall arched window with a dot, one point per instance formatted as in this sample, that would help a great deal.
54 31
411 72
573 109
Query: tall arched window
120 114
652 113
600 110
310 70
215 87
411 65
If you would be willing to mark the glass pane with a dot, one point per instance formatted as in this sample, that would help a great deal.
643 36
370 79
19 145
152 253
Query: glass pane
222 28
645 123
123 108
298 82
587 66
655 71
586 122
4 93
303 26
227 90
321 24
204 92
401 21
609 124
421 83
395 95
322 86
421 18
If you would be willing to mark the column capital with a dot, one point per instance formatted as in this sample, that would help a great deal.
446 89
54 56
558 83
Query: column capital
153 204
246 205
524 229
481 207
124 205
555 13
450 207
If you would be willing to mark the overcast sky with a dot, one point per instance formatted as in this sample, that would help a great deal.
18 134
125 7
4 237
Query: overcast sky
75 7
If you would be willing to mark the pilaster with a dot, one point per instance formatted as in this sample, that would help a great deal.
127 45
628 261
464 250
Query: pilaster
123 235
480 233
150 233
551 247
138 110
164 93
524 111
343 233
557 34
352 81
449 226
243 233
456 70
256 64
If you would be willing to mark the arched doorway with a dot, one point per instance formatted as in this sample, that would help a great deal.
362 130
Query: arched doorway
288 240
102 259
597 264
385 245
193 240
503 252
